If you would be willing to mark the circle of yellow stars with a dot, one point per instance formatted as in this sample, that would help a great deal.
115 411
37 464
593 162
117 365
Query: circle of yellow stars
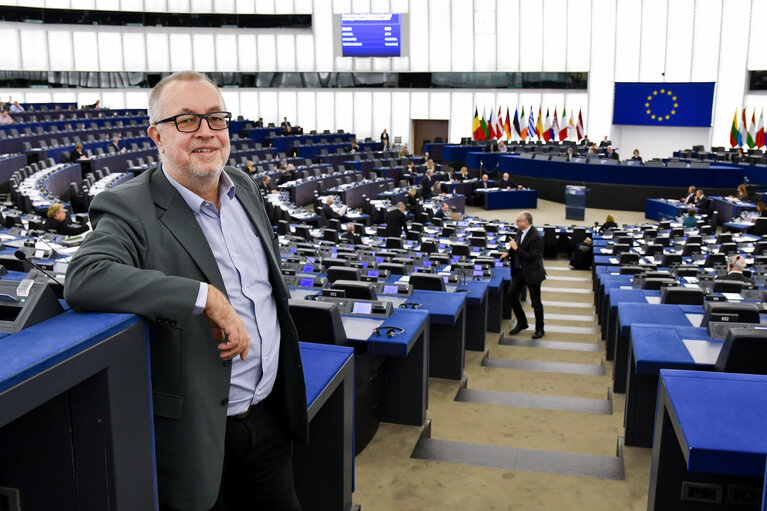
662 93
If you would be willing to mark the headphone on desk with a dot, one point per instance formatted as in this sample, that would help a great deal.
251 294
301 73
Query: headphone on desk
391 331
410 305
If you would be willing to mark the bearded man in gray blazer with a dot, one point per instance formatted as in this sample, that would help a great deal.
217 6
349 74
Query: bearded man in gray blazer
189 247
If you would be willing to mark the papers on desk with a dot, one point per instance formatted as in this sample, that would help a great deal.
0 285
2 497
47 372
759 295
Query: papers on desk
703 351
613 260
359 328
695 319
732 297
691 280
627 287
652 299
606 251
7 237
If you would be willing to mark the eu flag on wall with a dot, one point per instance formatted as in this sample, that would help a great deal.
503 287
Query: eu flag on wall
663 104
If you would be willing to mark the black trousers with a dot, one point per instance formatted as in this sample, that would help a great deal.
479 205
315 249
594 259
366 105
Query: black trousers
258 465
515 290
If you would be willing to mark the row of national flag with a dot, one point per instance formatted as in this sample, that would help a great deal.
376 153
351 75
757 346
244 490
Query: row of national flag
744 135
518 129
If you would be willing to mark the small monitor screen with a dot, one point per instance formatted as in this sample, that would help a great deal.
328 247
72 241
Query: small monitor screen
498 264
364 264
390 289
427 263
307 268
306 283
310 259
372 273
379 259
334 249
445 278
477 266
478 273
455 259
362 308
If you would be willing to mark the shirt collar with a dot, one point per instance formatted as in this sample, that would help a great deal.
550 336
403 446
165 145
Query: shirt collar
194 201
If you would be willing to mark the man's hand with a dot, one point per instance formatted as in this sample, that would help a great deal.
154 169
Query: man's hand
513 245
504 256
226 325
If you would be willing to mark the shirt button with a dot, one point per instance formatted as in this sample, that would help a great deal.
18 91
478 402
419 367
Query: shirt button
227 363
224 402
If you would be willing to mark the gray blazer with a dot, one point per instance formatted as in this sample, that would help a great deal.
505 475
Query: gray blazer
147 256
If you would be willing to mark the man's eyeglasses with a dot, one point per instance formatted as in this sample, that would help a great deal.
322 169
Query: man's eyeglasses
188 123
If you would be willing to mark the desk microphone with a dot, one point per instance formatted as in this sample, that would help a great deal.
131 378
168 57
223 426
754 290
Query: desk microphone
55 252
21 256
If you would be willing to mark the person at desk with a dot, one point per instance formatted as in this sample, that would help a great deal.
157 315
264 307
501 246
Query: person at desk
507 184
592 154
735 267
690 219
443 212
605 142
585 142
610 154
739 156
485 183
699 196
267 186
332 210
384 140
77 153
93 106
428 184
742 194
58 220
636 156
451 175
249 167
569 154
228 385
464 174
405 152
761 208
690 198
114 146
396 221
525 253
5 117
609 224
350 236
285 124
284 176
259 123
413 206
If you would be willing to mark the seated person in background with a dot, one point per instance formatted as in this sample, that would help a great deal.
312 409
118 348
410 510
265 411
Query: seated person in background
738 157
412 201
699 196
592 154
464 175
405 152
267 186
582 255
350 236
609 224
5 117
58 220
690 198
396 221
455 214
114 146
502 148
332 210
443 212
451 176
94 105
259 123
610 154
507 184
354 147
485 183
570 153
742 193
761 208
690 220
585 142
249 168
284 176
735 267
77 153
605 143
636 156
430 165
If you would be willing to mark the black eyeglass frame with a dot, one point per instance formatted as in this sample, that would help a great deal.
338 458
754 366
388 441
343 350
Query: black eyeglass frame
200 117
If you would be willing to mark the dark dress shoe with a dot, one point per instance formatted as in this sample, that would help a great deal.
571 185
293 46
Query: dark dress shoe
538 334
517 329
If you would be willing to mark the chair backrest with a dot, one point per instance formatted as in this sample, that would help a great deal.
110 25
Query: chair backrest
631 270
330 235
746 312
760 226
355 289
682 295
333 261
628 258
728 286
427 281
394 268
656 283
394 243
461 249
744 351
335 273
669 259
713 259
318 322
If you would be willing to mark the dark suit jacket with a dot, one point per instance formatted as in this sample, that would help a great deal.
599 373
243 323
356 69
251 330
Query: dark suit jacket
329 213
506 183
396 222
613 156
353 238
266 188
64 227
736 275
605 143
427 186
147 256
531 257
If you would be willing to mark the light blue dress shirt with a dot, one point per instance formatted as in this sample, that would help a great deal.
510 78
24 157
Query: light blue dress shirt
245 271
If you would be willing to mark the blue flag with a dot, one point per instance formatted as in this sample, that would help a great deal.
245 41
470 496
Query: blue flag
663 104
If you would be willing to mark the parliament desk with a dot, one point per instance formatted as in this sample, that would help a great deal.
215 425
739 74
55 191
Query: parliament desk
652 348
354 194
730 209
636 313
476 293
434 149
323 470
393 173
75 411
664 209
302 192
459 201
456 153
709 442
482 160
609 314
9 164
494 198
495 299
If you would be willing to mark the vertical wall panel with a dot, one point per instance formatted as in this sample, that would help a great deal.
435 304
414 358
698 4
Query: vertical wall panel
178 5
342 6
419 36
136 99
40 97
265 6
110 51
400 119
114 100
304 52
344 110
400 5
249 105
579 35
382 114
461 115
363 114
10 57
555 39
66 97
232 101
322 25
34 56
86 51
246 7
134 51
627 40
439 35
104 5
419 105
157 51
757 56
204 52
83 4
507 35
287 105
307 111
653 43
132 5
598 113
302 6
60 50
226 52
246 53
705 45
156 6
363 64
681 15
226 6
326 108
286 52
439 105
181 56
282 7
462 34
531 36
360 6
380 6
268 108
267 56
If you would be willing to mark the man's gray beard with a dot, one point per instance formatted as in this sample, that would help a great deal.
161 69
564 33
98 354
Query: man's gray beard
203 177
